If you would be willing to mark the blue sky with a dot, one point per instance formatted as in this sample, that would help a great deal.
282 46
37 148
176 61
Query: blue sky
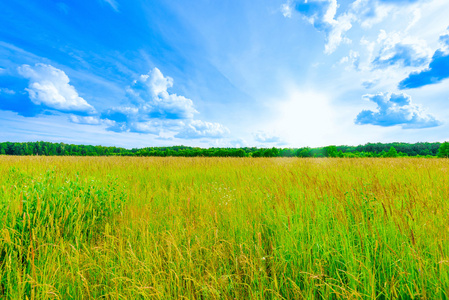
285 73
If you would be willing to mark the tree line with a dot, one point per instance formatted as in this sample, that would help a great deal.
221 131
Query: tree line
367 150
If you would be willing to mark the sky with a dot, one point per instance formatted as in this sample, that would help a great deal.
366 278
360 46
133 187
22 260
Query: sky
235 73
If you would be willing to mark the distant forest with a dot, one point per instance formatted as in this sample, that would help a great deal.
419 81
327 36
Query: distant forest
367 150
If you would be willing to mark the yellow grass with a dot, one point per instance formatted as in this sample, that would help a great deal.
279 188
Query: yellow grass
223 228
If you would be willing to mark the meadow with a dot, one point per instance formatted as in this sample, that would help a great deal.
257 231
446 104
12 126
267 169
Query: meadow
223 228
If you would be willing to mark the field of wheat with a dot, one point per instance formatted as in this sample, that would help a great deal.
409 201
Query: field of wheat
223 228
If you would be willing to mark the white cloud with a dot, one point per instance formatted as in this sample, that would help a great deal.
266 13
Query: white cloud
416 16
331 12
265 137
151 127
322 14
286 9
353 59
400 49
328 17
150 92
156 111
89 120
238 143
7 91
200 129
444 42
50 86
336 36
369 12
370 46
156 126
373 12
136 119
396 109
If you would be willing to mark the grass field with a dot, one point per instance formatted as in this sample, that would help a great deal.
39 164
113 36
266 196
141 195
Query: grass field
222 228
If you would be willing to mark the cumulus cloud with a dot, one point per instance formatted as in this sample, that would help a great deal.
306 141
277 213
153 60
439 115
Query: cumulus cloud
398 50
153 110
152 107
50 87
150 93
437 71
325 16
268 138
200 129
395 109
322 15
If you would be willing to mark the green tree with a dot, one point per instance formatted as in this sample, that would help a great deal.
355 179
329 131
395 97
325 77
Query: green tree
391 153
443 151
330 151
17 149
304 152
273 152
239 153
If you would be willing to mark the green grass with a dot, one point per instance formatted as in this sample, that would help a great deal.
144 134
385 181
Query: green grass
223 228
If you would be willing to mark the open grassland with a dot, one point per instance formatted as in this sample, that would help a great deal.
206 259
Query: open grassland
222 228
